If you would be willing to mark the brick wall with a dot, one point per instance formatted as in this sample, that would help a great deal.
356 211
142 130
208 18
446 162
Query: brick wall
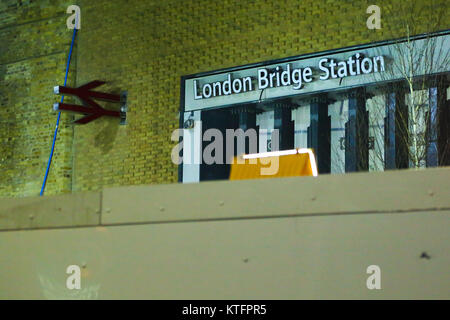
144 47
34 44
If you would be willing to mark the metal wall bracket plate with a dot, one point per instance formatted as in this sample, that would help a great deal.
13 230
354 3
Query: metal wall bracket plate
123 107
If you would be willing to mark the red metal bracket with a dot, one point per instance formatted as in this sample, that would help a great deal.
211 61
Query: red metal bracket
85 94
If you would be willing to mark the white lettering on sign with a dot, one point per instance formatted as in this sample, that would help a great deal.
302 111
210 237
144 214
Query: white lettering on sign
289 76
226 87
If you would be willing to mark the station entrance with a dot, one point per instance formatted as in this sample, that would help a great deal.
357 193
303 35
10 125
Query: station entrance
365 121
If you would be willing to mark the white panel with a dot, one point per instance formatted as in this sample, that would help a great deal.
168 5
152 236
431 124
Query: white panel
338 112
418 105
266 123
192 149
377 112
301 117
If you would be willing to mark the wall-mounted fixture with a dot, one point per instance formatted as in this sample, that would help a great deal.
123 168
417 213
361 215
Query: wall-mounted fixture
189 123
91 109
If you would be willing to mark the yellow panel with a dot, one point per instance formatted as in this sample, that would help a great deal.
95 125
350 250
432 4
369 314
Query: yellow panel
264 165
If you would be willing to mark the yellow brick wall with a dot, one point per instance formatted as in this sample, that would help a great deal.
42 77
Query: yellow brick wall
34 44
144 47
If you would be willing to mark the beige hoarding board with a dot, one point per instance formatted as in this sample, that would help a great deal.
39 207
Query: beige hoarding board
69 210
316 257
263 239
394 191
